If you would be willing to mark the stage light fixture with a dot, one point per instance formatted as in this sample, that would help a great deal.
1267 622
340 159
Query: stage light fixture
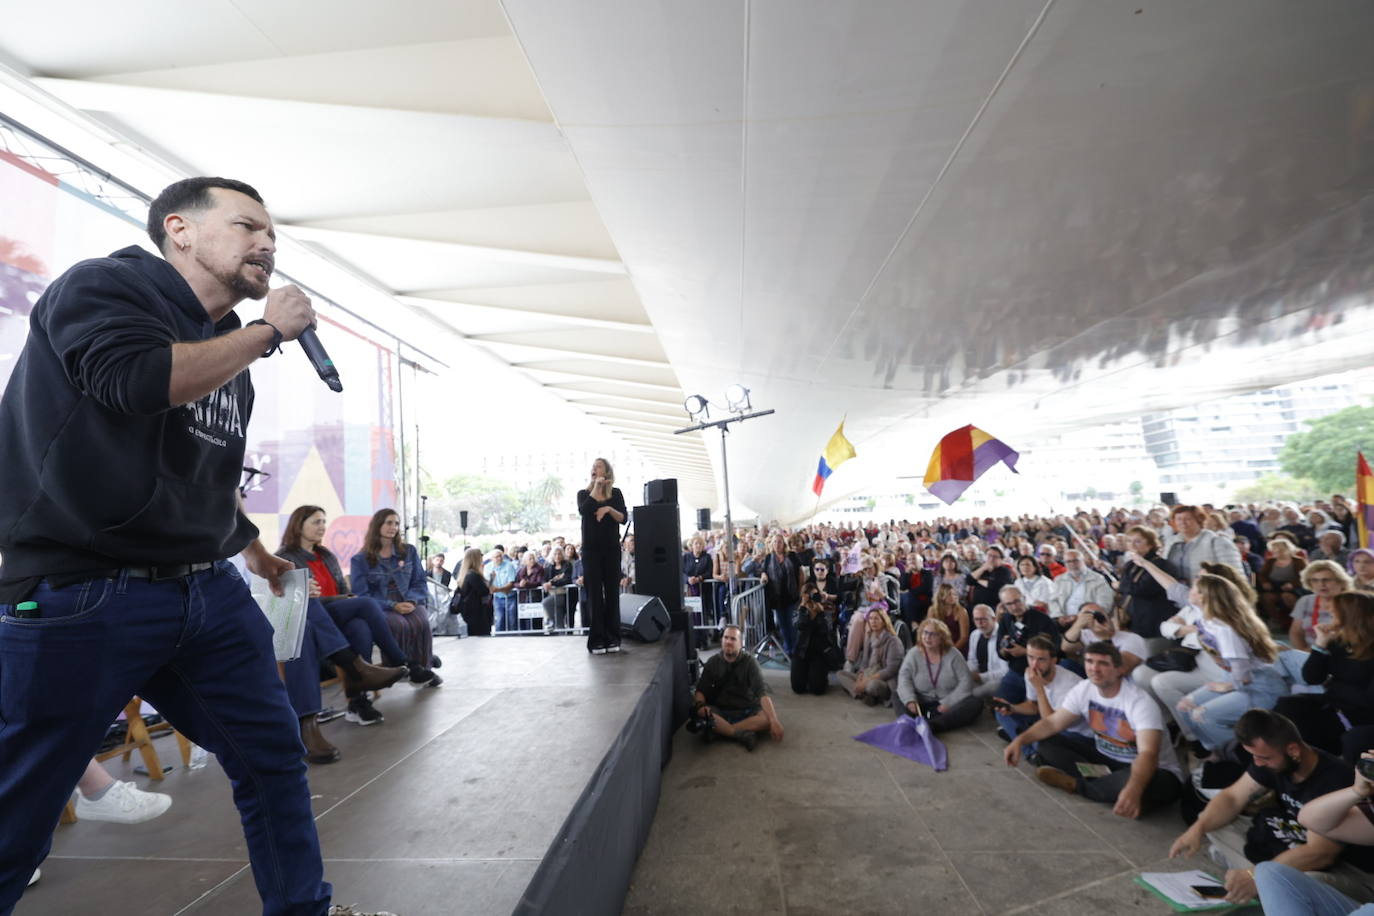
737 397
696 405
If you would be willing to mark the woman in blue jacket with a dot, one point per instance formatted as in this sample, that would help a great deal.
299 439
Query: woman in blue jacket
389 570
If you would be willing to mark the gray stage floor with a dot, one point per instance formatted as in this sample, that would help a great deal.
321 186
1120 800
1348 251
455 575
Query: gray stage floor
822 824
447 807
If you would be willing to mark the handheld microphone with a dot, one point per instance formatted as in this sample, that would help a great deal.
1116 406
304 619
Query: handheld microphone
310 343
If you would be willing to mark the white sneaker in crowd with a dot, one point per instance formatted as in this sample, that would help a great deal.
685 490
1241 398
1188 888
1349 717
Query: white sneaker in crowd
124 803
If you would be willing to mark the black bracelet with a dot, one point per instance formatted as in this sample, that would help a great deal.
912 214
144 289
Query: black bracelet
276 336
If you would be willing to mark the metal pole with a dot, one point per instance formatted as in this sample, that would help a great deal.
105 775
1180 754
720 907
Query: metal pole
730 572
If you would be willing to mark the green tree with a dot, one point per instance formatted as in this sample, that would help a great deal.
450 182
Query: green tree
492 505
1272 487
1325 453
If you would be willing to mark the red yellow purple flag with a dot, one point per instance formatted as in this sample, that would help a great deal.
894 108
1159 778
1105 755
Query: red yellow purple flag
1364 497
961 458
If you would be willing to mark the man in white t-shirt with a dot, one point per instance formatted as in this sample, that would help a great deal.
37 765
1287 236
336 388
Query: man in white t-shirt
1131 764
1047 684
1093 619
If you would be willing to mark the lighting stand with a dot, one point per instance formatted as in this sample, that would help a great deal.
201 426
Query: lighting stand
769 646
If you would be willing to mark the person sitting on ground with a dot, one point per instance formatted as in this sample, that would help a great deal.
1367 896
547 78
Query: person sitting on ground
733 696
934 680
1344 816
474 594
1331 546
1195 545
1342 661
949 573
1129 741
1280 582
1362 569
947 609
816 642
986 666
874 677
1324 580
1078 585
388 569
1102 625
988 577
1047 683
360 619
1296 773
1016 624
1037 588
1239 642
1142 595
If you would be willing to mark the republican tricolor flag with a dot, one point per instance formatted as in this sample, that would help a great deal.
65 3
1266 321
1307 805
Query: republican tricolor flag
961 458
837 451
1364 496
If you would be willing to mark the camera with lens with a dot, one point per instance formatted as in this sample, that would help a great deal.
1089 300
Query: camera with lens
1099 617
1365 767
699 721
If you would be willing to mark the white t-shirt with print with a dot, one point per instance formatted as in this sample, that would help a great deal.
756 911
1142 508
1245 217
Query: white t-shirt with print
1115 721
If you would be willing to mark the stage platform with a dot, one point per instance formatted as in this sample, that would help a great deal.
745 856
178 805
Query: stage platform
525 784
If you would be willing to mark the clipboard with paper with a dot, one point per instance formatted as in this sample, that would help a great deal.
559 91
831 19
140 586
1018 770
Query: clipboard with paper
285 612
1176 889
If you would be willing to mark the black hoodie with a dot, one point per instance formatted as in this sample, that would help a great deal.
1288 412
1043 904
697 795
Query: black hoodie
100 470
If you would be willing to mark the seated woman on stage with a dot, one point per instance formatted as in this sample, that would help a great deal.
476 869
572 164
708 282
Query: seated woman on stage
388 570
361 619
935 680
474 594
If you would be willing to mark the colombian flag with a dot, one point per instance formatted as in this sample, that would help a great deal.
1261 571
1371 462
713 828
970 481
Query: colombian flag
961 458
837 451
1364 496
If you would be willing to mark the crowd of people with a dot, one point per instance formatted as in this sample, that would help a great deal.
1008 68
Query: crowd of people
1189 656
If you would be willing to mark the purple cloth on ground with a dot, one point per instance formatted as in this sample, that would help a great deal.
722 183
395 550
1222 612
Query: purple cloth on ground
909 737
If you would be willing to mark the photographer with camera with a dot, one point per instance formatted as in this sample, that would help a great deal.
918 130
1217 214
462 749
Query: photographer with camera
731 699
1016 624
1102 625
817 648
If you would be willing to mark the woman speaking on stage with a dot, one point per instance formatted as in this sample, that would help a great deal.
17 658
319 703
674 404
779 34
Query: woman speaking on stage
602 508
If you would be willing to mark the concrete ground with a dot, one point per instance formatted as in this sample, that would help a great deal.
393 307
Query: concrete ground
822 824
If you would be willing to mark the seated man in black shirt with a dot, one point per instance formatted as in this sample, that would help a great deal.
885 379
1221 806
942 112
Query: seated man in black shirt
1016 624
732 696
1296 772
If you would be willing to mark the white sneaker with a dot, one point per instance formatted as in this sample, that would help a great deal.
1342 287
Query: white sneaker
37 873
124 803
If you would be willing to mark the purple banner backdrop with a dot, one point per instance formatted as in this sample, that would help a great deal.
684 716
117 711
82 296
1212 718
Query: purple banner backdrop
332 450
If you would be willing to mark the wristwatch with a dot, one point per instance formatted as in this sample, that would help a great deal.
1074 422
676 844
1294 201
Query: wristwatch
275 346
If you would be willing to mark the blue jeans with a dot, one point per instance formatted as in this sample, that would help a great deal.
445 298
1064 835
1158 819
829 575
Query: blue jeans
506 611
1013 686
785 618
302 675
199 649
1285 891
363 622
1214 720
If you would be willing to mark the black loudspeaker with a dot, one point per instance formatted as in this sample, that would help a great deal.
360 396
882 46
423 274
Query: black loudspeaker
463 519
642 617
1169 499
661 493
703 519
658 557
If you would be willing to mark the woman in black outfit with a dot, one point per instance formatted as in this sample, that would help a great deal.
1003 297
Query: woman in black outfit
474 595
815 637
1341 720
1143 599
602 508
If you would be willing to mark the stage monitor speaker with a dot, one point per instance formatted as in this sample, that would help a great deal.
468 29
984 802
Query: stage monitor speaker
1169 499
661 492
658 556
643 617
703 519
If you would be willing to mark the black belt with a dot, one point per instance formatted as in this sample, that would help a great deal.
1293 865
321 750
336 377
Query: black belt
163 573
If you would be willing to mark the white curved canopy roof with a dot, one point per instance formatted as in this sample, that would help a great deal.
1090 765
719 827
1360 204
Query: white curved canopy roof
1026 215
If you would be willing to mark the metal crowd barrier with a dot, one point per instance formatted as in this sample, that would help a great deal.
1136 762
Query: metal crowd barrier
546 612
749 609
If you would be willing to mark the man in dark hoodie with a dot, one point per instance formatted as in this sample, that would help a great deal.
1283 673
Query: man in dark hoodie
122 438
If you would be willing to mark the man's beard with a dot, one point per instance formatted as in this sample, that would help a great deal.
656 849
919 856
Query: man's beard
237 281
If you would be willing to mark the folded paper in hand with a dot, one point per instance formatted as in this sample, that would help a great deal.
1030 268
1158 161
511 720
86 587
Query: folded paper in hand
286 612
